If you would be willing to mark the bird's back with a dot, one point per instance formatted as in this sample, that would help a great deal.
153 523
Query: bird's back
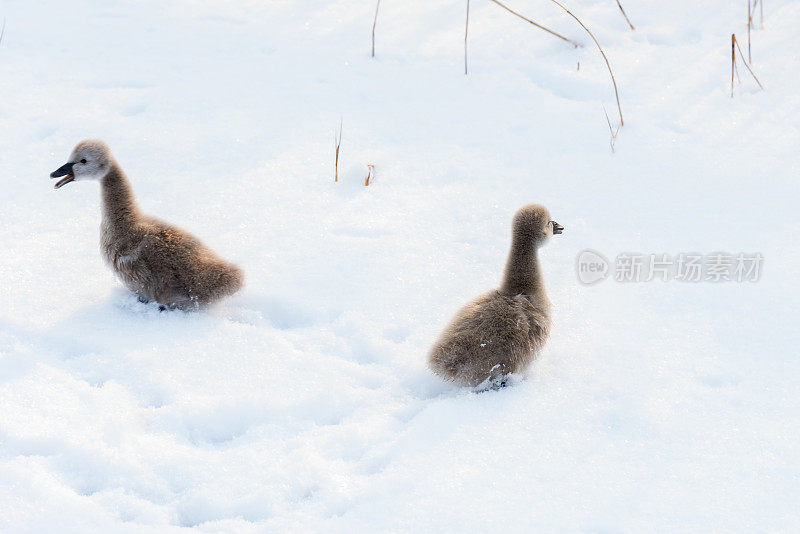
491 336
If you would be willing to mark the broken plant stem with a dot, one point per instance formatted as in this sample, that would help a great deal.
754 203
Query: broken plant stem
625 15
466 34
338 145
370 173
760 5
611 131
735 46
551 32
733 59
613 81
749 23
375 23
745 62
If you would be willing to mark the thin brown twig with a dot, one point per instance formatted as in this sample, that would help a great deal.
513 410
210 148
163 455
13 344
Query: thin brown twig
625 15
745 62
375 23
749 22
551 32
735 46
611 131
759 4
613 81
733 59
466 34
338 139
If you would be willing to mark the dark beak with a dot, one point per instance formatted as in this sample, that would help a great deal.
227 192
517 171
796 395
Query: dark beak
557 228
65 171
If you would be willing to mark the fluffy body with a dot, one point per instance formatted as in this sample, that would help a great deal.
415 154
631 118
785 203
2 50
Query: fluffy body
490 337
156 260
502 331
162 263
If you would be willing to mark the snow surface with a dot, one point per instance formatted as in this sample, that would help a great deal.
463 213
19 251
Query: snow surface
304 403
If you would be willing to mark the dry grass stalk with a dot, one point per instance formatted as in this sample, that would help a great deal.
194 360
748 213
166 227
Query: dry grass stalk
551 32
613 81
734 47
614 133
753 74
735 68
466 34
338 139
626 15
750 16
760 5
370 173
375 23
733 59
749 23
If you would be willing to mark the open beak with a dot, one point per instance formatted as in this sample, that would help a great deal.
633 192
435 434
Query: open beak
65 171
557 228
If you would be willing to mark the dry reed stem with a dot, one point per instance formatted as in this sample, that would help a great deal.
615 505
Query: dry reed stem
370 173
733 59
375 23
749 23
735 46
614 133
625 15
753 74
551 32
338 145
613 81
760 5
466 34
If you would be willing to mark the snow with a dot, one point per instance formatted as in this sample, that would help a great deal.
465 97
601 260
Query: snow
303 403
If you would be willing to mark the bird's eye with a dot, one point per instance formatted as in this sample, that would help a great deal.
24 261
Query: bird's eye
83 160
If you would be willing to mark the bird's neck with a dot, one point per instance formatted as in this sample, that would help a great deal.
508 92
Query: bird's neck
522 275
119 204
